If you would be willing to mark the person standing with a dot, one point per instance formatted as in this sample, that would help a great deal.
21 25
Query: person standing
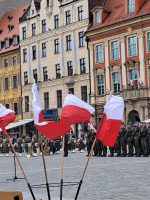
144 133
66 145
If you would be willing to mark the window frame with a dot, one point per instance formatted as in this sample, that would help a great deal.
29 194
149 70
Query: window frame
111 49
58 69
68 43
81 39
70 68
56 21
129 10
131 36
101 52
101 85
80 13
68 17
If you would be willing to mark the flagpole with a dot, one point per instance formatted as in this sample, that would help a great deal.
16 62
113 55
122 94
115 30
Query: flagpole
62 169
29 186
45 170
82 177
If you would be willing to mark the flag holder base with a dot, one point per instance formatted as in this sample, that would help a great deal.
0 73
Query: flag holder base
55 185
15 175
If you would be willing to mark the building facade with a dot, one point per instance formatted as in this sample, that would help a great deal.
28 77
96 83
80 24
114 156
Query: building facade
10 71
119 42
54 53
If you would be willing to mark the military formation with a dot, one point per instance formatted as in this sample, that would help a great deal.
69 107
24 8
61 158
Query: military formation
133 140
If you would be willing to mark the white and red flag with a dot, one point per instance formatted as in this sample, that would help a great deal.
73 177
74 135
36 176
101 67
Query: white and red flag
49 129
75 110
6 117
111 121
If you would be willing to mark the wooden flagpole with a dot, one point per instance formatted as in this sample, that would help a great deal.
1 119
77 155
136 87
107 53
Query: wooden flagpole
29 186
62 169
45 170
82 177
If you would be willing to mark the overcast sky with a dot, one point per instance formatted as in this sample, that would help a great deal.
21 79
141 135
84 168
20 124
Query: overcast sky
6 5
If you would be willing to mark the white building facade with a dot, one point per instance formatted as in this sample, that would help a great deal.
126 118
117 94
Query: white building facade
54 53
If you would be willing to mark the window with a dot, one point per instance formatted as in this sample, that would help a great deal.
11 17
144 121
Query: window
45 74
58 73
44 49
56 45
24 55
14 60
116 82
33 52
82 66
132 50
71 90
81 39
130 5
46 100
59 98
68 42
115 50
68 17
97 17
16 108
70 68
133 78
7 43
15 82
7 106
6 83
56 21
43 25
100 84
33 29
25 78
99 53
80 13
24 33
84 93
15 40
5 62
148 42
26 103
35 76
47 3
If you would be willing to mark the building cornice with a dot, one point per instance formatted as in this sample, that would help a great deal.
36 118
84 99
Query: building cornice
118 25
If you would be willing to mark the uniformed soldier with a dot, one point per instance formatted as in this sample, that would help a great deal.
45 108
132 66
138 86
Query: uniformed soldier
66 145
137 139
144 135
123 140
118 145
130 140
148 137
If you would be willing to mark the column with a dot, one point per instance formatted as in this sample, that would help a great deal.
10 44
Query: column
106 66
141 56
124 81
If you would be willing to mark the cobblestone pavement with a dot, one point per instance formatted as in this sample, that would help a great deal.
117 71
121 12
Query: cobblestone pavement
106 179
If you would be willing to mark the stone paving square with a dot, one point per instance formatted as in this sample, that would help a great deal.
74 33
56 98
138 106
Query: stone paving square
106 178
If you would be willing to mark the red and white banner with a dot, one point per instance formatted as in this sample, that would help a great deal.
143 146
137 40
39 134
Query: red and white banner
75 110
50 129
6 117
111 121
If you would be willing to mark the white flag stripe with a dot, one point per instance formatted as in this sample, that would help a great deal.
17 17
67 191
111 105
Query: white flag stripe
75 101
36 106
4 111
114 108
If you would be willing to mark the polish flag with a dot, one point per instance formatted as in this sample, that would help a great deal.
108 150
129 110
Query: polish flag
75 110
111 121
6 117
49 129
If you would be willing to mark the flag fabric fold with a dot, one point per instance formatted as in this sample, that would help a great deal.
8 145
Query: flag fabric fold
6 117
111 121
49 129
75 110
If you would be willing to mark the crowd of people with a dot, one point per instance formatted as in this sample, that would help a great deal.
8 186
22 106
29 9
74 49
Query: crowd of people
132 140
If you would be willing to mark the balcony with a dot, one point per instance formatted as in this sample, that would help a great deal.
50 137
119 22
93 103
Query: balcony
135 94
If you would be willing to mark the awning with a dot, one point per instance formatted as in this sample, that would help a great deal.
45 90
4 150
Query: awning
147 121
18 123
